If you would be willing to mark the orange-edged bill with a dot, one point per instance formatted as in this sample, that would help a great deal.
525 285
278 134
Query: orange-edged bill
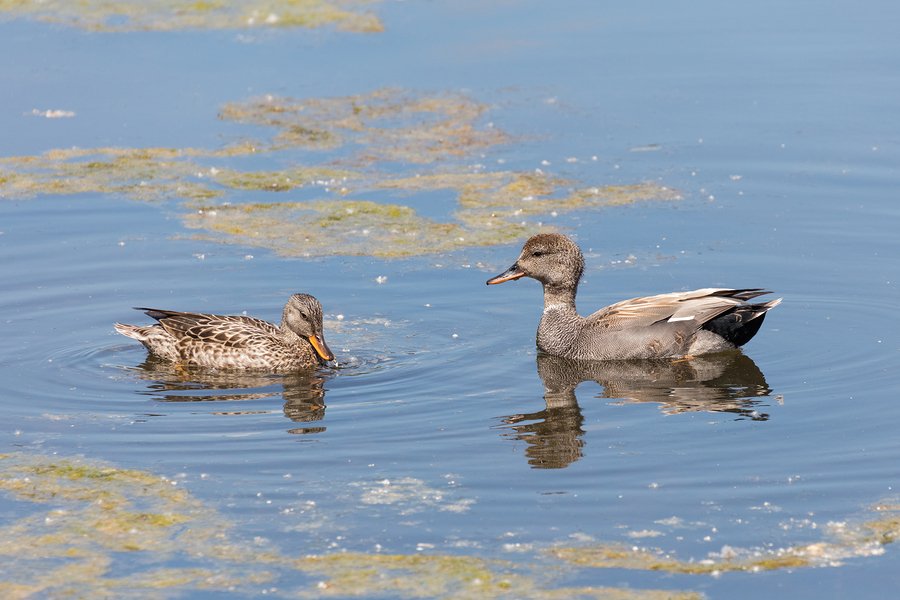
508 275
321 348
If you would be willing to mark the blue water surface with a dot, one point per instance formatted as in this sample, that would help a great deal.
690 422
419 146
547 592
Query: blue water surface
776 123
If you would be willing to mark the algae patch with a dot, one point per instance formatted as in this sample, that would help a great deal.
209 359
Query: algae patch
95 530
615 556
355 160
139 173
150 174
340 227
387 124
843 541
353 574
172 15
92 522
367 228
94 515
279 181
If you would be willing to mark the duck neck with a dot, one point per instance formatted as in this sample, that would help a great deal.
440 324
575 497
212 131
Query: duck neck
559 297
560 323
288 335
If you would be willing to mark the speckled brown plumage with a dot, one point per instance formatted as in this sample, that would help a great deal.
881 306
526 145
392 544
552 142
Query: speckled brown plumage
664 326
236 341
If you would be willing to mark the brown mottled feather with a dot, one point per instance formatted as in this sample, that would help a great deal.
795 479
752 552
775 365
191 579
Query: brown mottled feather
236 341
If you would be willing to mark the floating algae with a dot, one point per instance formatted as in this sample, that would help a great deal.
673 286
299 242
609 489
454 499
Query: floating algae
278 181
617 556
148 173
139 173
845 540
169 15
366 228
385 125
443 576
356 149
341 227
95 514
98 516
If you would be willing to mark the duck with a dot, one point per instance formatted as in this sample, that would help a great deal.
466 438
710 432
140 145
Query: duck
674 325
237 341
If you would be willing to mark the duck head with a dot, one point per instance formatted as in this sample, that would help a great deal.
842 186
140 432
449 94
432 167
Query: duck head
551 258
303 315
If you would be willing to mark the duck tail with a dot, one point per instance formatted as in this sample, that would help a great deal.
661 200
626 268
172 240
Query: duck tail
743 294
738 326
751 312
156 313
133 331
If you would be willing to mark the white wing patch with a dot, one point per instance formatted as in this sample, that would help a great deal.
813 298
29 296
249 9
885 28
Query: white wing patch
674 319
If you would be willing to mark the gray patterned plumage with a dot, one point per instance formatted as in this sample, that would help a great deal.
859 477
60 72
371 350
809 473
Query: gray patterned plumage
665 326
237 342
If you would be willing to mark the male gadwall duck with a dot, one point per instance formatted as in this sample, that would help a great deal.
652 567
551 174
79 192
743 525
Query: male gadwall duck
237 342
665 326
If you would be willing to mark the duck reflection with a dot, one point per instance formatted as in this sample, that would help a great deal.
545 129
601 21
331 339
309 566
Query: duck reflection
303 392
727 383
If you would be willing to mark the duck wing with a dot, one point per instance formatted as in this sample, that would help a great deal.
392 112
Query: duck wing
235 331
692 309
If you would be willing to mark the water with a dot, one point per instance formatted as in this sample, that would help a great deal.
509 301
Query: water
441 433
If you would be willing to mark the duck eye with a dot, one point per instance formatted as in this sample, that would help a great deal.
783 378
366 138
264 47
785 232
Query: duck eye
538 253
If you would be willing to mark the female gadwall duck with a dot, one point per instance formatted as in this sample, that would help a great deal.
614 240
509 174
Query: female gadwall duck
237 342
665 326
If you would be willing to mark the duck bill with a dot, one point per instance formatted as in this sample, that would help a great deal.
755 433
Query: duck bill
514 272
321 348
